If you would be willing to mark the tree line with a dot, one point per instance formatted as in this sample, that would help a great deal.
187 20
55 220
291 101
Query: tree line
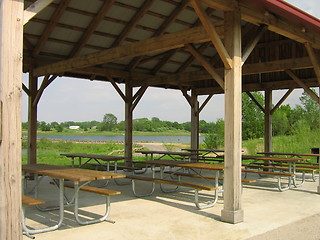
285 121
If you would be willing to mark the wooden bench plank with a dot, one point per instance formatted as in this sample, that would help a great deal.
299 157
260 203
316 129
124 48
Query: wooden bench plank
280 167
268 173
30 201
102 191
118 166
206 177
172 182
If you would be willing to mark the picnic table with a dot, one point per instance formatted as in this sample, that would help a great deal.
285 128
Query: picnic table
174 155
204 154
285 166
300 155
102 160
80 178
194 167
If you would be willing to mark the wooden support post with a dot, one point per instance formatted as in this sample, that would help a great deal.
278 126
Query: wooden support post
32 119
232 211
128 120
11 38
194 120
268 122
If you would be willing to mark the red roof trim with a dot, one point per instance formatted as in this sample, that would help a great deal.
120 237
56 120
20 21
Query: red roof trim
295 11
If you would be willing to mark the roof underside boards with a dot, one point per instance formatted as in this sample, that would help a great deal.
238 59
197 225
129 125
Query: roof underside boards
144 40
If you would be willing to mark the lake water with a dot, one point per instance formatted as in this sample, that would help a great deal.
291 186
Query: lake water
159 139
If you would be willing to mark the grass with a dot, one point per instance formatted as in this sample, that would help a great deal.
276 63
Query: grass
49 151
95 132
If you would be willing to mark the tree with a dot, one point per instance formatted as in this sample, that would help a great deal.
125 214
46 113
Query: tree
311 110
252 116
108 123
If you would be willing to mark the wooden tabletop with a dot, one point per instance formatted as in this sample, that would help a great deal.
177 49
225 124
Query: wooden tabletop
94 156
74 174
172 163
167 153
202 150
291 154
275 159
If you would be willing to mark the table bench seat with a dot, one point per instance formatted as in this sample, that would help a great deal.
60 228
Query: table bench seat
173 182
29 201
268 172
194 186
281 167
101 191
118 166
244 180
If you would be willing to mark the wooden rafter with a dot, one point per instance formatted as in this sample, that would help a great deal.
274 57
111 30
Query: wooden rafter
186 95
26 90
256 101
135 62
206 65
116 87
91 28
34 9
50 27
303 85
205 103
137 97
314 60
252 87
214 36
141 48
190 60
253 43
163 61
133 22
45 83
247 69
113 73
258 16
284 97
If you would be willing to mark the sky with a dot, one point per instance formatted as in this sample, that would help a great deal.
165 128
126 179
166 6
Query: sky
68 99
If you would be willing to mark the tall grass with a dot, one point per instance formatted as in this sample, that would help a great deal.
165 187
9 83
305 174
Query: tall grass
49 151
301 142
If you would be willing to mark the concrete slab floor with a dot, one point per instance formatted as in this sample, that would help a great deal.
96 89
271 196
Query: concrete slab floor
269 214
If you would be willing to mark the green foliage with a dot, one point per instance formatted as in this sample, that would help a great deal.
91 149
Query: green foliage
252 116
49 151
215 139
108 123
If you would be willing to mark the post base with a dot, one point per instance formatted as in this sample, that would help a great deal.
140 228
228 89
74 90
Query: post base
232 216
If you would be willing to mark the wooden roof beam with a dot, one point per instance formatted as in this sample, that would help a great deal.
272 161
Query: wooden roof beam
133 22
141 48
214 36
284 97
256 101
91 28
113 73
246 87
303 85
314 60
253 43
50 27
258 17
170 19
206 65
247 69
34 9
190 60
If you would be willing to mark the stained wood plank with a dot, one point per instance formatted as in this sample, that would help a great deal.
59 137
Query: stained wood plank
11 38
